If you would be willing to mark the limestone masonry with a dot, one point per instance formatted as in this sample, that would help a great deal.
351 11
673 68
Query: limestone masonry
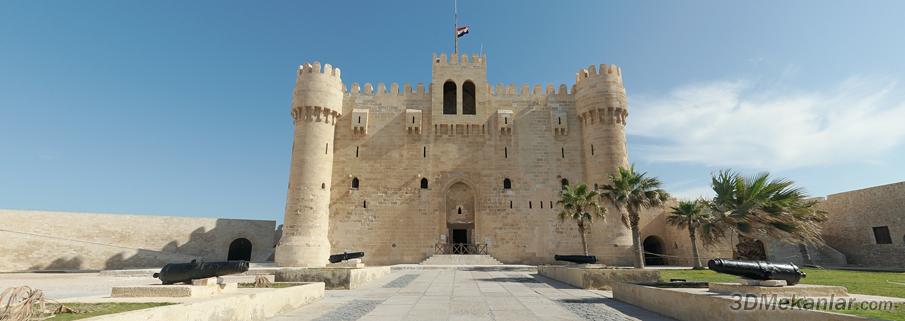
396 171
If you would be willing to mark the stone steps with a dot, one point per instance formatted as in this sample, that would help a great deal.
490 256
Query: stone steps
461 259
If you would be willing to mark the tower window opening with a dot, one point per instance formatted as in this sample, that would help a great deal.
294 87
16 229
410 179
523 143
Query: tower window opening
323 185
355 183
359 119
559 119
468 98
564 182
541 204
413 119
459 210
326 148
364 204
507 183
563 151
424 183
592 149
506 120
510 204
551 204
529 204
356 151
449 98
505 152
424 152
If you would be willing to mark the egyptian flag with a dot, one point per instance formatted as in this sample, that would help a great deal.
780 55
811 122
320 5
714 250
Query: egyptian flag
461 31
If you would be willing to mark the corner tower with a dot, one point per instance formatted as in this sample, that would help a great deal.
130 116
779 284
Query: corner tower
601 105
316 105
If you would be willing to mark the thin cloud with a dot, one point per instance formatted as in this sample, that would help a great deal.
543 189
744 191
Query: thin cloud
739 123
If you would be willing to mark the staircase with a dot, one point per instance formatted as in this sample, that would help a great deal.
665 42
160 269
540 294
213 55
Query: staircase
461 259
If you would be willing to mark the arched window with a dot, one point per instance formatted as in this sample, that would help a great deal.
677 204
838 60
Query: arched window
424 183
239 249
564 182
507 184
355 182
449 98
468 98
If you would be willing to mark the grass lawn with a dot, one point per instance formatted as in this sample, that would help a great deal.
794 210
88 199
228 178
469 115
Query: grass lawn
860 282
95 309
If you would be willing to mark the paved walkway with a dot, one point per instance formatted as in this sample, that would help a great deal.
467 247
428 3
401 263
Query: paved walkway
467 295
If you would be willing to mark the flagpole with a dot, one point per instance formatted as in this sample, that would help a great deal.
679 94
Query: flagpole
456 25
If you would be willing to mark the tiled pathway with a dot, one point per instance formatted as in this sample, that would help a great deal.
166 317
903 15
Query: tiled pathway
425 295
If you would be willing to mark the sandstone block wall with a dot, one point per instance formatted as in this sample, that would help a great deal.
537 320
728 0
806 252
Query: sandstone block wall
42 240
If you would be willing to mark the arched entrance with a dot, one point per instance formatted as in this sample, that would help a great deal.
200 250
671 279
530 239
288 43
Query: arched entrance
239 249
750 249
653 251
460 218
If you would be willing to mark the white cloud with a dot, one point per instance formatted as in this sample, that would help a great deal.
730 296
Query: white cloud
739 123
693 193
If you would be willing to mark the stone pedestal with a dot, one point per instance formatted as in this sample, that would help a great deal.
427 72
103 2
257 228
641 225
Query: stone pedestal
799 290
351 263
198 288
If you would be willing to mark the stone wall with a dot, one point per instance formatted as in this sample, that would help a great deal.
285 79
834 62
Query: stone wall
40 240
853 215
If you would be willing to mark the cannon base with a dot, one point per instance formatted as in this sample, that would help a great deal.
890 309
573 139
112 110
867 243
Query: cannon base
799 290
199 288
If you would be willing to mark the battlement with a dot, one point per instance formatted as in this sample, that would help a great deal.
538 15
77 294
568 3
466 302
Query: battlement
406 89
604 72
526 90
454 59
315 67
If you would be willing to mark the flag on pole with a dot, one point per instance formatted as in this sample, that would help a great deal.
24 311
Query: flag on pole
461 31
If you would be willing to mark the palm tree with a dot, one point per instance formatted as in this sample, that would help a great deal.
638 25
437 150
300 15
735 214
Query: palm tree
630 192
690 215
580 204
758 206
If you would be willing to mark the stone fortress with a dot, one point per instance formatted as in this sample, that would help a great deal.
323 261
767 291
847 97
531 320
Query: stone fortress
396 171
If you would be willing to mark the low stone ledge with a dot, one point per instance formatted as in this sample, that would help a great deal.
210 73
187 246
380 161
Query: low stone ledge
245 304
809 290
591 276
692 304
333 277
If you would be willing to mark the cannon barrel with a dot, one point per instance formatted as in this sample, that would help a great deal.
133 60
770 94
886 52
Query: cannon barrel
186 272
580 259
336 258
758 270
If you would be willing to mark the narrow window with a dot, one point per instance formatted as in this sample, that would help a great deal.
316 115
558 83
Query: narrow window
551 204
468 98
449 98
424 152
592 149
326 148
506 152
356 151
596 187
424 183
881 235
359 119
364 204
460 210
510 204
506 120
355 183
529 204
563 151
507 184
413 119
564 182
559 119
541 204
323 185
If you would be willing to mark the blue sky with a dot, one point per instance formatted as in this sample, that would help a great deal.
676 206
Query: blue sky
181 107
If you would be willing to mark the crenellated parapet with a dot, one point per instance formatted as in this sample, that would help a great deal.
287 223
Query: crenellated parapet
525 90
600 95
463 59
318 90
419 91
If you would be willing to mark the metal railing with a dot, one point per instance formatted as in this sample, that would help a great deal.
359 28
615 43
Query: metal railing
461 248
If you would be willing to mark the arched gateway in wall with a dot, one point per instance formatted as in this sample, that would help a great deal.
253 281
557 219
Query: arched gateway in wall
460 218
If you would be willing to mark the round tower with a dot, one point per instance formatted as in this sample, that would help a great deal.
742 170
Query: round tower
602 108
316 104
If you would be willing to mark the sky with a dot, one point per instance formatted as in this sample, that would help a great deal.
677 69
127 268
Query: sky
182 107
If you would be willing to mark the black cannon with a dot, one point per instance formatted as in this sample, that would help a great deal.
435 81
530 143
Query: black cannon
336 258
186 272
580 259
758 270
